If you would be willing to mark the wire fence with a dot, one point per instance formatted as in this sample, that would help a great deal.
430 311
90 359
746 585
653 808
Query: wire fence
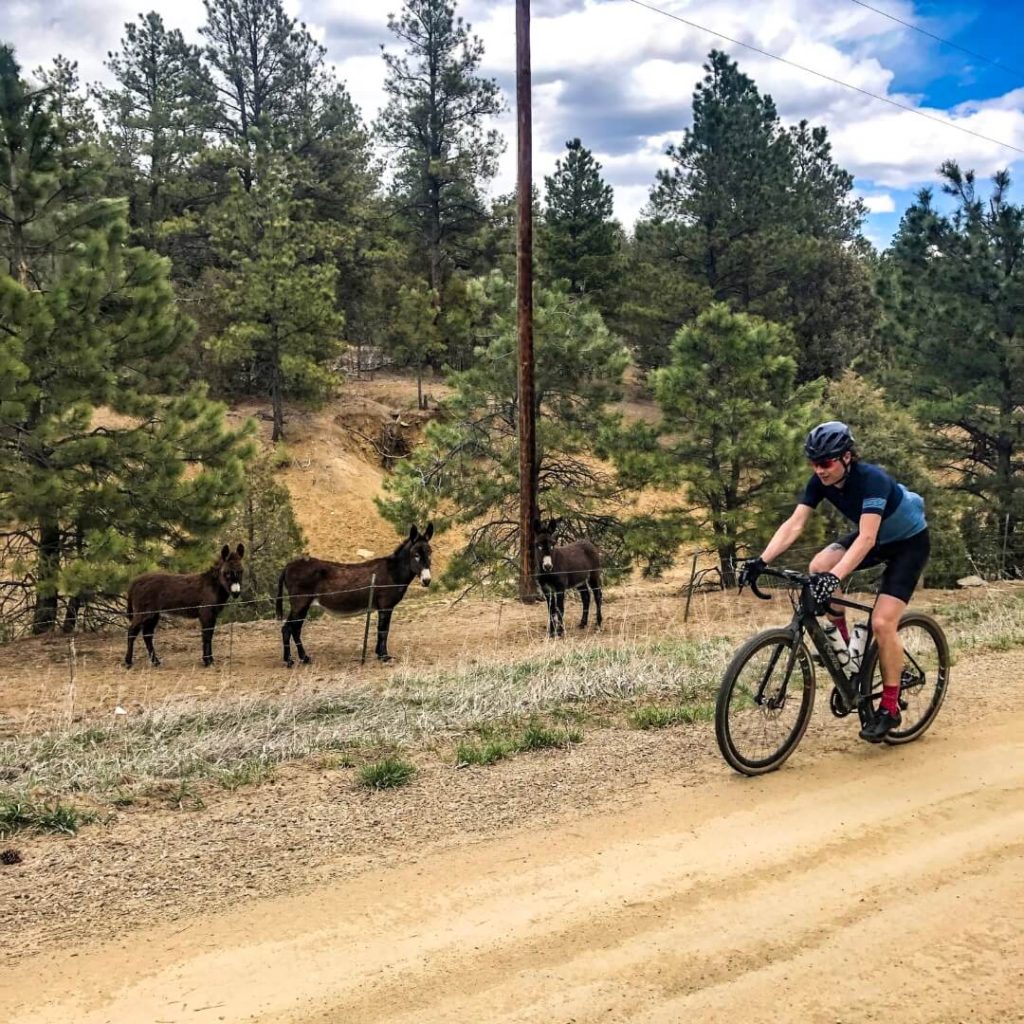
429 632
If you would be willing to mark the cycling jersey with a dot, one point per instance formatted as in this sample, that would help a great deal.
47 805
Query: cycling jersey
868 488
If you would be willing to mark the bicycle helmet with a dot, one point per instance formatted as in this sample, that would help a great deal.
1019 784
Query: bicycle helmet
828 440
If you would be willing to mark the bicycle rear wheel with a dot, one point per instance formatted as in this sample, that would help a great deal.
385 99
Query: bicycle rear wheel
760 716
924 679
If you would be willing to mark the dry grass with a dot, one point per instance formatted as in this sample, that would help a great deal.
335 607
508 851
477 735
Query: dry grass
237 740
232 740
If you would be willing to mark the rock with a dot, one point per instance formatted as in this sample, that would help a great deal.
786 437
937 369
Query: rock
971 581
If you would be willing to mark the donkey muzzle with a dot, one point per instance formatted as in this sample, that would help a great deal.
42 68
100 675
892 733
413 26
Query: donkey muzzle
425 577
546 564
236 588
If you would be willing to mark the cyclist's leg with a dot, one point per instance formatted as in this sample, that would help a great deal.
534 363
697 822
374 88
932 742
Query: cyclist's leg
825 561
885 621
904 563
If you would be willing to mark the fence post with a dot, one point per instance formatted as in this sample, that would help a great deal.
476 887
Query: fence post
369 611
1006 539
72 676
689 589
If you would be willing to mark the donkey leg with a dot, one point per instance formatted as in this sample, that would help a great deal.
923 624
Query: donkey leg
383 627
208 621
584 593
292 627
148 629
595 585
549 596
560 614
298 621
133 632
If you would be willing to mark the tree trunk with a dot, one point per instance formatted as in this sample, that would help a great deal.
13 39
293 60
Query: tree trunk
44 617
277 401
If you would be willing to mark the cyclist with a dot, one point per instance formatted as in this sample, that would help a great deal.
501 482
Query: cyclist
890 528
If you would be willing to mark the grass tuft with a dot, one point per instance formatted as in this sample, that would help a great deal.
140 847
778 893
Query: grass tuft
18 815
655 716
386 774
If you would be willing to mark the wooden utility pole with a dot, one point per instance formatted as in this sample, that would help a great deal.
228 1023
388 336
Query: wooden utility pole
524 278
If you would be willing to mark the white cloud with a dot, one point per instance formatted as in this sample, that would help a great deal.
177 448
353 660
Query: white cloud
621 77
881 202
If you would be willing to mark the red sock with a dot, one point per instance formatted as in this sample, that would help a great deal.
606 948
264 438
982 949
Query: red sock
844 631
890 700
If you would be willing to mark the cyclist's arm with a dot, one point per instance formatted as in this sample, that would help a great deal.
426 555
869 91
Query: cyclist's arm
787 533
867 537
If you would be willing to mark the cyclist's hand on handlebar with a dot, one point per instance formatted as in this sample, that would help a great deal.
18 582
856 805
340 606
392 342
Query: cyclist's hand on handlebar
750 570
823 585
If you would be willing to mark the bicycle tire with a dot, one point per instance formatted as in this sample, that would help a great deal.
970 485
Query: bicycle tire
939 684
725 723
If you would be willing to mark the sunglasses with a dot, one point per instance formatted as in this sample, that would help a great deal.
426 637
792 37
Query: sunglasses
823 463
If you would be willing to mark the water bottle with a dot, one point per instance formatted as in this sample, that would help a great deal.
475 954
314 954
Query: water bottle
857 643
839 649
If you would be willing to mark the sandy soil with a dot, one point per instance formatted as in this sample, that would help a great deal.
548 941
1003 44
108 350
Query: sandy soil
633 878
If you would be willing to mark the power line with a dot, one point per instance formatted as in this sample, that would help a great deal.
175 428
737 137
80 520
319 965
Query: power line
939 39
828 78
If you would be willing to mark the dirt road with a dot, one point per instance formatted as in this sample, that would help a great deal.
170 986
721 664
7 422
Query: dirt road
869 885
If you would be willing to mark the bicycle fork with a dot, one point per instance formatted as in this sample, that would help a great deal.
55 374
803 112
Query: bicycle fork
777 700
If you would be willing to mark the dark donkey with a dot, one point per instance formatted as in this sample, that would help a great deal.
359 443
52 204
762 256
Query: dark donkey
344 588
567 565
199 595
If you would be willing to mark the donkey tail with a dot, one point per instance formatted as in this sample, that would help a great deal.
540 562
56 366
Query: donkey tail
280 596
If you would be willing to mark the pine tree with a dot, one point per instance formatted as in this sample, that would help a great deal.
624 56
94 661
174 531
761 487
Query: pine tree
107 455
268 73
157 116
264 520
275 298
467 471
954 287
434 123
760 217
580 243
733 421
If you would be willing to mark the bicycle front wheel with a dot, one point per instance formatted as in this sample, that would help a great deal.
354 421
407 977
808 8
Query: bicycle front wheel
760 715
923 680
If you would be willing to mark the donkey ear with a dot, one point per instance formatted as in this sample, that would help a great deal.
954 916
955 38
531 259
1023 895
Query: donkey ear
240 550
428 532
413 533
553 525
538 526
224 552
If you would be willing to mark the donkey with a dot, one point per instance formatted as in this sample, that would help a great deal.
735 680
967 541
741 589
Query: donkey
199 595
568 565
344 588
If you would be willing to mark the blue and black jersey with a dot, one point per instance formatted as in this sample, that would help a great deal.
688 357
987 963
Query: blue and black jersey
868 488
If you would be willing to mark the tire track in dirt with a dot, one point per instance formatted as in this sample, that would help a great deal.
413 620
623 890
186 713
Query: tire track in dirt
781 898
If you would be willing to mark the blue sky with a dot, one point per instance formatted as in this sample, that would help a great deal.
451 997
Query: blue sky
943 77
620 77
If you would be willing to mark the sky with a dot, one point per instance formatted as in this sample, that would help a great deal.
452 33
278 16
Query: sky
620 77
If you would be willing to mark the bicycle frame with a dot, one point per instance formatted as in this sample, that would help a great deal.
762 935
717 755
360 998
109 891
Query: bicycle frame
853 690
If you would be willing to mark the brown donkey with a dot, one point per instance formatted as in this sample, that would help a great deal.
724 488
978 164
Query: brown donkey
344 588
199 595
575 565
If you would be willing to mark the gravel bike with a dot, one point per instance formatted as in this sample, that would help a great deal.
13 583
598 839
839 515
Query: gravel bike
767 693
